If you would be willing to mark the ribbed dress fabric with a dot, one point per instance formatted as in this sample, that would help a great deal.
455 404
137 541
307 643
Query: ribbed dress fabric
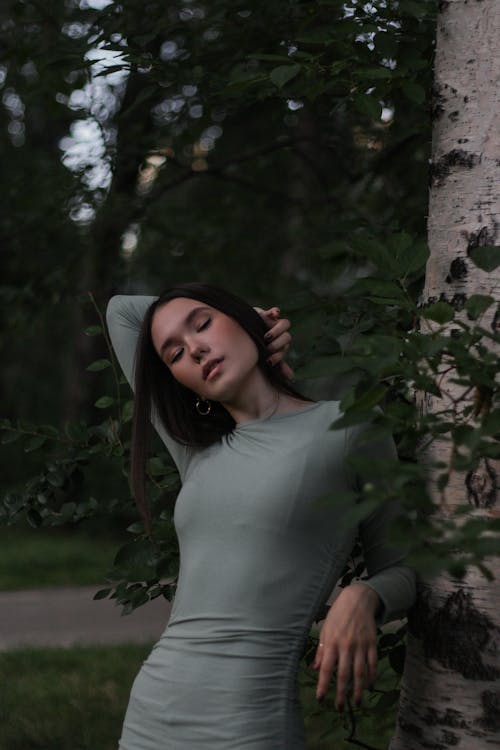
260 552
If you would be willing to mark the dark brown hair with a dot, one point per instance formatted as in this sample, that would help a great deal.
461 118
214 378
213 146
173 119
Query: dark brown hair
156 388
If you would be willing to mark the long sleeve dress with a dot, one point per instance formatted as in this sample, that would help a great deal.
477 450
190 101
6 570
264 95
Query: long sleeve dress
259 554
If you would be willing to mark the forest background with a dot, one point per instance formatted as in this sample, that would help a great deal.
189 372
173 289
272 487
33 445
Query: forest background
284 154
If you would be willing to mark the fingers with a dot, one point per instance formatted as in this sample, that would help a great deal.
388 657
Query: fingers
359 673
318 656
277 330
343 677
278 339
327 665
269 316
279 343
287 370
358 664
371 662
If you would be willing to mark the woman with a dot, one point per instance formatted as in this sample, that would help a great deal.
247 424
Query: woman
259 551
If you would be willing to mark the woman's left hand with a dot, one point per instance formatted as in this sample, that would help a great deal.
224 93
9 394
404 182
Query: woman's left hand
348 641
277 338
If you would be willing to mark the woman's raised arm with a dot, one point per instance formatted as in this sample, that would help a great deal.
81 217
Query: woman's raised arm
124 316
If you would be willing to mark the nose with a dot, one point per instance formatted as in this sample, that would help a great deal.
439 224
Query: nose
198 349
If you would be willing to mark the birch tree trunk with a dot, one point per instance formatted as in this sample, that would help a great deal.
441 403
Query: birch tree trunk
450 692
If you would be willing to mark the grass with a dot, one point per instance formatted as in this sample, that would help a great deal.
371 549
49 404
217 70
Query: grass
35 558
75 699
66 699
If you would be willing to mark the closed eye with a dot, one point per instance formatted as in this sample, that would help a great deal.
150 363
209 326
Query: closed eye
201 328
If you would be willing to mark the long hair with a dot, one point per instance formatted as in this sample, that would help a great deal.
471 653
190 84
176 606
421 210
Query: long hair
157 390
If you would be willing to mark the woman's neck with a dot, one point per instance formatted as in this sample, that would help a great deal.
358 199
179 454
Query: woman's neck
260 400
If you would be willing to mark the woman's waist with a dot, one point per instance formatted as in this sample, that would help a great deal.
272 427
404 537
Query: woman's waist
232 631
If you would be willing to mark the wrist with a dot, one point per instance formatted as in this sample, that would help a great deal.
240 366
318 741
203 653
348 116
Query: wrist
367 594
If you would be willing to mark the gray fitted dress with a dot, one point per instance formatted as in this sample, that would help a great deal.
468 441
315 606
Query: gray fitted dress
259 555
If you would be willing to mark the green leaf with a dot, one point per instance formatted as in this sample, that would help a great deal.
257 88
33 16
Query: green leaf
315 37
102 593
368 105
387 700
50 430
138 559
281 75
107 70
325 367
477 304
34 518
397 658
10 437
145 93
440 312
55 478
93 330
77 432
418 10
270 58
414 92
156 466
369 399
486 257
104 402
136 528
99 364
491 424
34 442
128 410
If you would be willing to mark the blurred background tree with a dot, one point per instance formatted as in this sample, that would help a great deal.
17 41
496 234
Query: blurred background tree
144 144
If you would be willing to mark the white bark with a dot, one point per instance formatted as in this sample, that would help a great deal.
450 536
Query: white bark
450 691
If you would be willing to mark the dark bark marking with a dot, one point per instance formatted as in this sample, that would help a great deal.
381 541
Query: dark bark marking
481 485
453 116
432 718
483 236
450 718
456 634
437 100
463 140
450 738
472 60
443 5
495 323
466 99
458 270
458 301
490 720
457 157
410 728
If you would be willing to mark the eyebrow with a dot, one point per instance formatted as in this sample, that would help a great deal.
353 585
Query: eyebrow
187 322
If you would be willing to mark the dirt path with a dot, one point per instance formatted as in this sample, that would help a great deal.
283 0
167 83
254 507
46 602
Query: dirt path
69 616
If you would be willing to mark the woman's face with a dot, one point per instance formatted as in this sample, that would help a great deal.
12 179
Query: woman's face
189 335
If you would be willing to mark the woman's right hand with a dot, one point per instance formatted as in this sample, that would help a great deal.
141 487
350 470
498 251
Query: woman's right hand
277 338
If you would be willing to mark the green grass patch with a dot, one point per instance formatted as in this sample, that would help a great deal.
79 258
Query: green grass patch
75 699
66 699
34 558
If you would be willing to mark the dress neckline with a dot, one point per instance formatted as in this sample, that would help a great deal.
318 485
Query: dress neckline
276 417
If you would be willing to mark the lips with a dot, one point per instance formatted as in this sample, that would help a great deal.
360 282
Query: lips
209 366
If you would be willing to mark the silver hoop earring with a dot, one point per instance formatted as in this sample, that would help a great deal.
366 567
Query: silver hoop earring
208 407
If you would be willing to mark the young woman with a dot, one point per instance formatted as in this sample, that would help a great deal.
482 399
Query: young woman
260 549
